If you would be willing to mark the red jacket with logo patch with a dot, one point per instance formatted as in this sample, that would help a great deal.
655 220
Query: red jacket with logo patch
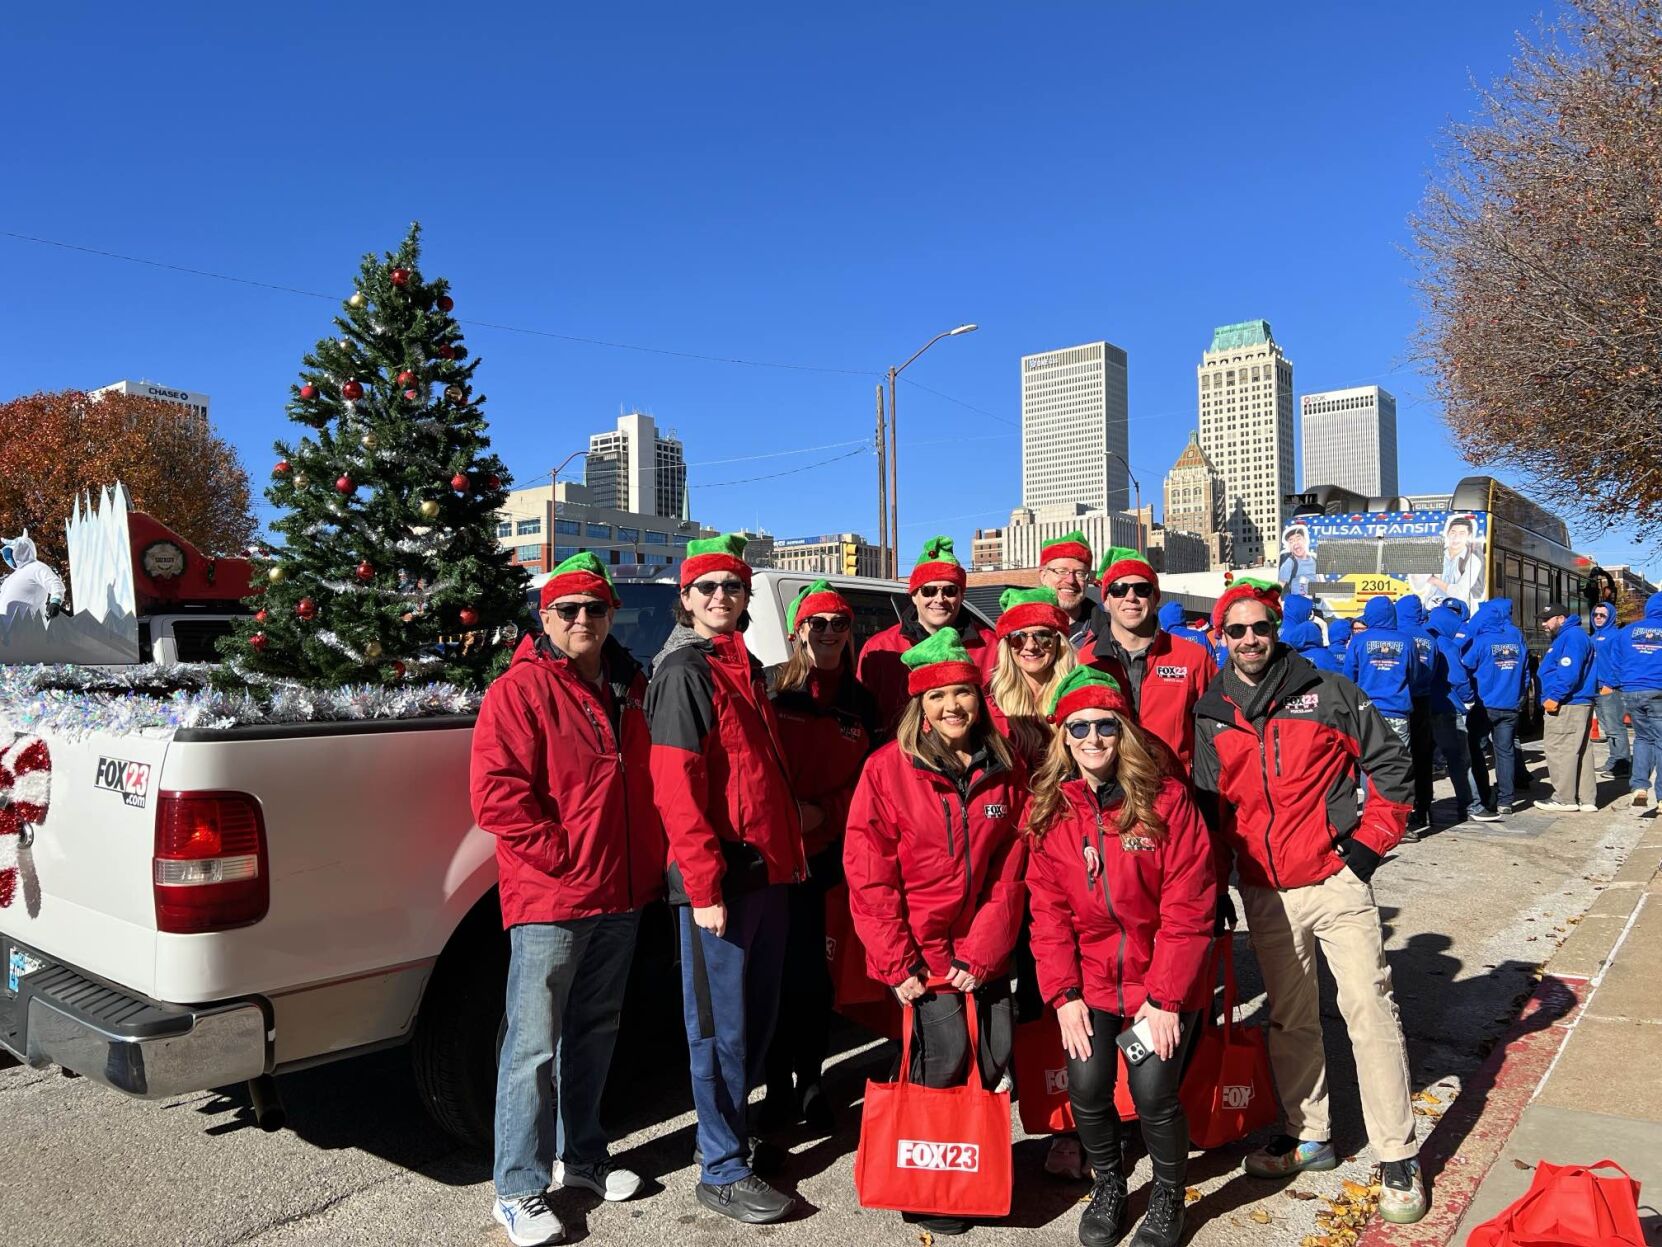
884 675
561 776
1176 674
1140 927
935 867
826 730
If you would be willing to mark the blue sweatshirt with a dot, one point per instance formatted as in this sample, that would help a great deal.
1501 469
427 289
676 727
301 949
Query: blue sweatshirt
1567 669
1306 639
1171 620
1452 691
1381 660
1338 639
1496 657
1606 661
1639 661
1411 619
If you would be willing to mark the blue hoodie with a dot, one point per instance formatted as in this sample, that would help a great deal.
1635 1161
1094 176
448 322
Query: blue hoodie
1606 641
1306 639
1381 661
1411 619
1462 612
1496 657
1639 661
1567 668
1171 619
1452 691
1338 639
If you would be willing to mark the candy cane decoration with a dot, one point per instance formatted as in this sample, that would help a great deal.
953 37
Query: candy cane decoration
25 789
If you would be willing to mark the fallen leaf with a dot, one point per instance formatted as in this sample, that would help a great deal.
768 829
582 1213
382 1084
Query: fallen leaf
1190 1195
1521 1164
1315 1240
1355 1189
1425 1097
1260 1216
927 1239
1291 1193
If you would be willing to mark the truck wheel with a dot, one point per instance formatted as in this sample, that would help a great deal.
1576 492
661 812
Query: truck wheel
453 1052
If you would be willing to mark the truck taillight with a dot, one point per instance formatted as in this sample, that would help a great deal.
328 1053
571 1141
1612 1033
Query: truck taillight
210 862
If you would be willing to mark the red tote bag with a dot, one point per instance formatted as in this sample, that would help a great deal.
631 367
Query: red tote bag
1228 1092
1568 1206
845 956
1041 1070
935 1150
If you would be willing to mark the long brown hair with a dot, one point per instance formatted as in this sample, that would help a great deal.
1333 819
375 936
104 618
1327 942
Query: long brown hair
793 676
1029 732
926 747
1137 766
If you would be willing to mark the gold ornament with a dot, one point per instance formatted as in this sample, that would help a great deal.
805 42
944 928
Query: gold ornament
300 480
372 649
453 393
429 510
277 575
357 299
369 441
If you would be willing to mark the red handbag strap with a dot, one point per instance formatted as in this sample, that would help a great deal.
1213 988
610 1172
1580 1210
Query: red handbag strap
1231 990
972 1021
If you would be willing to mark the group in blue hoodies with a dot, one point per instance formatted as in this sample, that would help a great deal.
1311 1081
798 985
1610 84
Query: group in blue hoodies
1639 667
1383 663
1306 639
1611 709
1568 688
1452 697
1497 659
1421 679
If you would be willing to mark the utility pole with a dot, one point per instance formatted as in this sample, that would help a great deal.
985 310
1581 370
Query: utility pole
894 448
882 488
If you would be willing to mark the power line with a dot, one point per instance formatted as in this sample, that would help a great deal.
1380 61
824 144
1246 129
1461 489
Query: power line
980 411
858 450
779 454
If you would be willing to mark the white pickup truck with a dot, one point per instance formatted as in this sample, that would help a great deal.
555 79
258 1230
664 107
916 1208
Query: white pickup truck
214 907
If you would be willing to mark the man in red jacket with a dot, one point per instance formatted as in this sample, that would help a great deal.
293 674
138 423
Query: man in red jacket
560 776
1277 746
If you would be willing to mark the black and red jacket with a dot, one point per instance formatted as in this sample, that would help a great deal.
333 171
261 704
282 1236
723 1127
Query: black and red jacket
884 675
935 866
827 730
719 772
1279 760
1176 673
1133 924
561 776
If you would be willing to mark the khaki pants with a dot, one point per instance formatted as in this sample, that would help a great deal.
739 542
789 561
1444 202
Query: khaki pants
1569 752
1338 915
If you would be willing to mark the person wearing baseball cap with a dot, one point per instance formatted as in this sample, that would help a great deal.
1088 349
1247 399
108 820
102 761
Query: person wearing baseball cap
1569 685
1065 567
936 586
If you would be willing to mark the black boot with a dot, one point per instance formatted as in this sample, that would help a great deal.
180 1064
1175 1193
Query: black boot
1163 1223
1103 1222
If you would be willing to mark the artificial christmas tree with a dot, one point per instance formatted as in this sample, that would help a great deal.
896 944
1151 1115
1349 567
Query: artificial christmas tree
390 568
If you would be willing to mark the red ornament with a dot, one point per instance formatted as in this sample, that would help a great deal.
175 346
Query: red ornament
410 396
258 642
459 482
365 572
398 671
495 482
468 616
308 391
344 485
305 608
352 391
445 351
446 303
400 276
280 468
406 377
259 615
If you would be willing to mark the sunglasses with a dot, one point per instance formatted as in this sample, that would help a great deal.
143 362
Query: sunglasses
1139 588
1262 627
818 624
569 611
707 588
1102 727
1044 640
929 592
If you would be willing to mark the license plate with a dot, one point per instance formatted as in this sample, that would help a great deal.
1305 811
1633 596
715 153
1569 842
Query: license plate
19 964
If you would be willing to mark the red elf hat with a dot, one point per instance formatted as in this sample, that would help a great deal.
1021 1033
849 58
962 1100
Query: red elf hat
581 573
1086 688
1029 608
1248 591
937 562
1068 546
716 554
1123 561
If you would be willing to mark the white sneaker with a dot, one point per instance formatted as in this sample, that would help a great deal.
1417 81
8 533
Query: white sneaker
529 1220
1558 807
611 1182
1589 807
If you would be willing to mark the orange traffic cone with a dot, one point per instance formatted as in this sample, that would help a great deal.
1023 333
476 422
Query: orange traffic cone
1596 734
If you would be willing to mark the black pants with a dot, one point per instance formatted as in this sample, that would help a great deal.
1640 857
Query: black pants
1154 1087
803 1032
1422 747
940 1046
1477 733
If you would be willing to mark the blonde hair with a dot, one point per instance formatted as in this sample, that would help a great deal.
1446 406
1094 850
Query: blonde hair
1029 732
793 676
1137 766
926 747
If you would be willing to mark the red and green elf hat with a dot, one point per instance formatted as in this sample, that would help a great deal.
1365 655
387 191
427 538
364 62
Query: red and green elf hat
581 573
937 562
1123 561
1068 546
938 660
818 598
1030 608
1086 688
716 554
1248 591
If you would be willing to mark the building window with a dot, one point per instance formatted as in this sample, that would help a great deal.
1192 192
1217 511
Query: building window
562 553
680 539
569 528
528 554
628 534
661 539
602 531
505 528
527 528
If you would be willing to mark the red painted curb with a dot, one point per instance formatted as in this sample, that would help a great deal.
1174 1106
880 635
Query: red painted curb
1468 1138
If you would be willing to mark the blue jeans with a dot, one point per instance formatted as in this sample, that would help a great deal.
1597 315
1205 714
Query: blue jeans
565 994
729 1001
1645 707
1503 730
1611 711
1449 731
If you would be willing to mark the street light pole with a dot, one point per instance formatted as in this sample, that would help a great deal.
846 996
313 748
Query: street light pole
1142 547
882 488
554 506
894 447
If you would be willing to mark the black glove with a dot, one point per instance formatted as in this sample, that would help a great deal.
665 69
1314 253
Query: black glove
1227 917
1362 860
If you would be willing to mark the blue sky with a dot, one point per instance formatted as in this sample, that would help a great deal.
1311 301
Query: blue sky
824 187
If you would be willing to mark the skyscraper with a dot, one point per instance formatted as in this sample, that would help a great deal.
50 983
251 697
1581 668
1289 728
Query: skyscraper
1246 429
1350 440
1074 436
1194 499
633 468
196 404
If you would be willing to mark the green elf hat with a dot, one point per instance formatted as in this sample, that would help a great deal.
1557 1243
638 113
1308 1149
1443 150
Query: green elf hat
937 661
1029 608
581 573
1086 688
937 562
716 554
1068 546
818 598
1123 561
1248 590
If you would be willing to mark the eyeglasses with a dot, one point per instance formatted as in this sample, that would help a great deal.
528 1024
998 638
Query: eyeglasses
569 611
1067 573
819 623
1044 639
732 588
1102 727
1141 588
1261 627
948 592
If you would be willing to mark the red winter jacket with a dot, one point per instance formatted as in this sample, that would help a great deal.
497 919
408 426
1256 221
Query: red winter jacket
934 867
718 769
1176 672
1275 770
884 675
1141 927
826 731
561 776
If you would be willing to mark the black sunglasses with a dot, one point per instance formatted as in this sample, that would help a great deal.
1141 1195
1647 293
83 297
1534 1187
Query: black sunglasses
1044 639
568 611
1261 627
732 588
818 624
945 591
1102 727
1140 588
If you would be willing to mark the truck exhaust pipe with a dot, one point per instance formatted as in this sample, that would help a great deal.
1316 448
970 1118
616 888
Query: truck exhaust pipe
269 1114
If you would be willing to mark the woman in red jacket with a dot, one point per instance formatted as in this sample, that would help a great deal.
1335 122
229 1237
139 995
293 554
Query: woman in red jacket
1033 658
934 862
1124 892
826 724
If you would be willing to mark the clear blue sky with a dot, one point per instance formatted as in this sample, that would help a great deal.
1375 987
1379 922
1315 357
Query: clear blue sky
824 187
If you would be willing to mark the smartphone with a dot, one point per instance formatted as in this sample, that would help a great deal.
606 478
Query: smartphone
1137 1043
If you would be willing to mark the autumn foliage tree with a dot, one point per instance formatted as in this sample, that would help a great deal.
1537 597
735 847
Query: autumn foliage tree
55 446
1541 250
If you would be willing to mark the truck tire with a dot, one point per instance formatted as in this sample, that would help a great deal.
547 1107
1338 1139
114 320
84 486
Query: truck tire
458 1029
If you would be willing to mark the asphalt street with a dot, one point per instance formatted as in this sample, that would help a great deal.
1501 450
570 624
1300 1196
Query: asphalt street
1470 912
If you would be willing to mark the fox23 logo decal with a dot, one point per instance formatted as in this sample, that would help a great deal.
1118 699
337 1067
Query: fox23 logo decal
928 1154
130 779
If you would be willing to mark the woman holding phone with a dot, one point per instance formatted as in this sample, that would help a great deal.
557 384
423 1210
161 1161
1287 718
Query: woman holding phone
1124 893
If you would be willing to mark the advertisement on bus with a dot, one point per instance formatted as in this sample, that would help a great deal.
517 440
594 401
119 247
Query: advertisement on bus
1344 560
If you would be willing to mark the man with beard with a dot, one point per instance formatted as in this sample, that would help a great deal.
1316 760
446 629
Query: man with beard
1065 566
